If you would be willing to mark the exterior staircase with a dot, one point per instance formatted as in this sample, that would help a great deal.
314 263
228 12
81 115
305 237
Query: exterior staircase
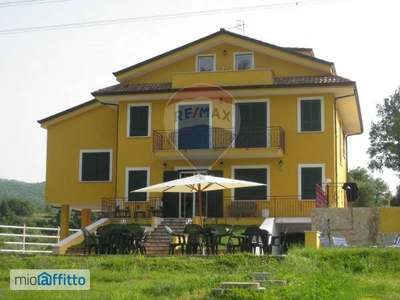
158 243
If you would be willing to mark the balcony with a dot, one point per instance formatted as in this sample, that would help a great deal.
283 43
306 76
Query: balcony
274 206
224 78
210 143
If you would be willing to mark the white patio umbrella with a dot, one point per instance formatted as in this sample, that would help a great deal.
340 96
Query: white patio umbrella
198 183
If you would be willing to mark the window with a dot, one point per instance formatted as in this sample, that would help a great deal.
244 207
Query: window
95 165
310 115
244 61
139 120
137 178
206 63
309 176
251 174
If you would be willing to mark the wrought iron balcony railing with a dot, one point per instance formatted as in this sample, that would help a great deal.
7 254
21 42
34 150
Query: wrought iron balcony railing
226 207
204 137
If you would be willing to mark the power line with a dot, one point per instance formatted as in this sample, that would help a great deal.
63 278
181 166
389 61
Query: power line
28 2
162 17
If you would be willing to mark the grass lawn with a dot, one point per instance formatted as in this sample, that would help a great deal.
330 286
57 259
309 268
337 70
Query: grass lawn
352 273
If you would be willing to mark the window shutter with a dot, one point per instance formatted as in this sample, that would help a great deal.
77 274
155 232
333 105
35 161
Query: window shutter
251 193
170 200
309 177
310 115
137 179
215 198
139 118
95 166
251 124
316 115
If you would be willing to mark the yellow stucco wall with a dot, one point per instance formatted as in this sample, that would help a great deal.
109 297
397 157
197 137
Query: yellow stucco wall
280 67
94 129
97 128
390 220
301 148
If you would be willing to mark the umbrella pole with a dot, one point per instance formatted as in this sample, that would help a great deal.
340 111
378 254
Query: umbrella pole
200 208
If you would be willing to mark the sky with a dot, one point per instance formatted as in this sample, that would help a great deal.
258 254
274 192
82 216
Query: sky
56 66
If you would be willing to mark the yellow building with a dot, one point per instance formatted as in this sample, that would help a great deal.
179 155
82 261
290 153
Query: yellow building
225 104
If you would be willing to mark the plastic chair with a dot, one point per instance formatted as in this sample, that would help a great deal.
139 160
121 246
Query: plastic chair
140 241
254 238
91 241
194 240
175 240
211 239
230 243
104 233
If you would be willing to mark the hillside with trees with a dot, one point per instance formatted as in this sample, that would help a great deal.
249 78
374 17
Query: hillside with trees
31 192
24 203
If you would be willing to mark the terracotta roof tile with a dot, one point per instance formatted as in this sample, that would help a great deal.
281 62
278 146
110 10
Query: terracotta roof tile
129 88
311 80
279 81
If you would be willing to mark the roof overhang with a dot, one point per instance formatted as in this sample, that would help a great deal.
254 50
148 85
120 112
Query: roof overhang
345 94
69 113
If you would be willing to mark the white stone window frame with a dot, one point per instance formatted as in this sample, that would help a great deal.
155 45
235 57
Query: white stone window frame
128 120
300 167
198 57
299 99
129 169
235 60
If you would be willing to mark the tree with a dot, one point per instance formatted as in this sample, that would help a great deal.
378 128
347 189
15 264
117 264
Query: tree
396 199
370 190
384 150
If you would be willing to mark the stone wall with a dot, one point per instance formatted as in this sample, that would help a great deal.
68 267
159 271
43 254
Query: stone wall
360 226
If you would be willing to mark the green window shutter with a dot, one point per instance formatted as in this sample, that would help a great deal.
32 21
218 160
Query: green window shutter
251 125
95 166
309 177
215 198
170 200
137 179
139 121
251 193
311 115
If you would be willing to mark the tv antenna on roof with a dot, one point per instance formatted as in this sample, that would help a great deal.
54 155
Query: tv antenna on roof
239 25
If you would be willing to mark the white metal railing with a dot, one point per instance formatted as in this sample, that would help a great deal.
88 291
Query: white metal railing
26 242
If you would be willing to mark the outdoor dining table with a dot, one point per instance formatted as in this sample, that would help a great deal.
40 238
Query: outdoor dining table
115 241
121 241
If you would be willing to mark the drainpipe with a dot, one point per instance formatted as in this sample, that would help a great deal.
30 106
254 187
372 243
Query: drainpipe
116 147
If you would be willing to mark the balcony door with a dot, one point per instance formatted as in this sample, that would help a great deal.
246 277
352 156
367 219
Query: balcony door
251 125
185 205
188 202
193 123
